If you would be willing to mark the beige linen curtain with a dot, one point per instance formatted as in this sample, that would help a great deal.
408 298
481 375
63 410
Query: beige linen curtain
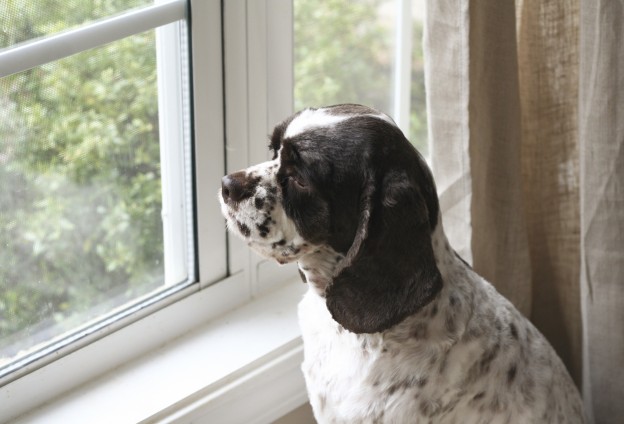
526 119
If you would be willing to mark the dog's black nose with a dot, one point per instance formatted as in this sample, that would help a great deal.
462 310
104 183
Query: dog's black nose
233 187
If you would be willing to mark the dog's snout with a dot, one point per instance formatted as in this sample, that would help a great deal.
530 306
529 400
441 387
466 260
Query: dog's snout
235 187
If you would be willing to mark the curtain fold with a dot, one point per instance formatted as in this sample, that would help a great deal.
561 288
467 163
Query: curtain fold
548 70
526 123
445 39
601 135
497 208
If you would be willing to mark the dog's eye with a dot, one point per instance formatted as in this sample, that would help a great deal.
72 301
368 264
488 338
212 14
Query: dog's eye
297 182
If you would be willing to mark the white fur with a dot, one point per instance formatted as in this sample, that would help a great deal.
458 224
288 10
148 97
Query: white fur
312 118
315 118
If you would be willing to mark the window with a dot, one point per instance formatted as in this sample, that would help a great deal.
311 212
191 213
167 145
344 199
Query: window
117 121
284 56
96 203
367 52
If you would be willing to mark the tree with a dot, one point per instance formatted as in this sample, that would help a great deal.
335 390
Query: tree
80 195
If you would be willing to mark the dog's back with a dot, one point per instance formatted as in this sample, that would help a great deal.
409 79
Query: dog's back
467 357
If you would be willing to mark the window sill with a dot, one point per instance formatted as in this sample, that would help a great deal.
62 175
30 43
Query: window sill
203 376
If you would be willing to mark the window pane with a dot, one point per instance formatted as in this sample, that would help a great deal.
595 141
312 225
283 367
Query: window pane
23 20
80 192
418 105
345 53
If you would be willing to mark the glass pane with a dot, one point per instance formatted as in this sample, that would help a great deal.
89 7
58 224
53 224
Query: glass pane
22 20
418 105
344 53
80 192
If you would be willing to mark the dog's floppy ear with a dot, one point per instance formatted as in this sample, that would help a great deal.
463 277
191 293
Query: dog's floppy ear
389 272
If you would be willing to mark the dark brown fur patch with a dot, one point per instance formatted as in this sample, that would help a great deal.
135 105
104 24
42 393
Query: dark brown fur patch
245 231
303 277
282 242
488 357
420 331
513 330
449 323
478 396
511 374
264 227
259 202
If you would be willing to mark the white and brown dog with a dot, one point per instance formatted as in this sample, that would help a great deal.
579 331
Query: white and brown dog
397 328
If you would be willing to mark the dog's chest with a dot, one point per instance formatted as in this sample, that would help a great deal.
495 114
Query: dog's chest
337 368
357 378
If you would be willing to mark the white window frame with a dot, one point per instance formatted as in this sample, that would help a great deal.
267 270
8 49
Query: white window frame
200 353
114 342
175 154
403 65
258 88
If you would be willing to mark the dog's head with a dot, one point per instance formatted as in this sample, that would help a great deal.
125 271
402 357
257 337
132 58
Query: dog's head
344 177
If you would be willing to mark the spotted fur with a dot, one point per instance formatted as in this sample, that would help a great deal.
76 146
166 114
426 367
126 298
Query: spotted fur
397 328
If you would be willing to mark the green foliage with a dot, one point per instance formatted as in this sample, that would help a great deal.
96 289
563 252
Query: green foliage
80 194
342 54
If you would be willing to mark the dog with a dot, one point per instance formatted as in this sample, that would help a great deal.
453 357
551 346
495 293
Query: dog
397 328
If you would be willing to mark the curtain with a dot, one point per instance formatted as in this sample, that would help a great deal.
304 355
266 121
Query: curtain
601 135
526 123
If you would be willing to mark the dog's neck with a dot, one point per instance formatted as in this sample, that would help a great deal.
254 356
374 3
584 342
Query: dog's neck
447 260
319 267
